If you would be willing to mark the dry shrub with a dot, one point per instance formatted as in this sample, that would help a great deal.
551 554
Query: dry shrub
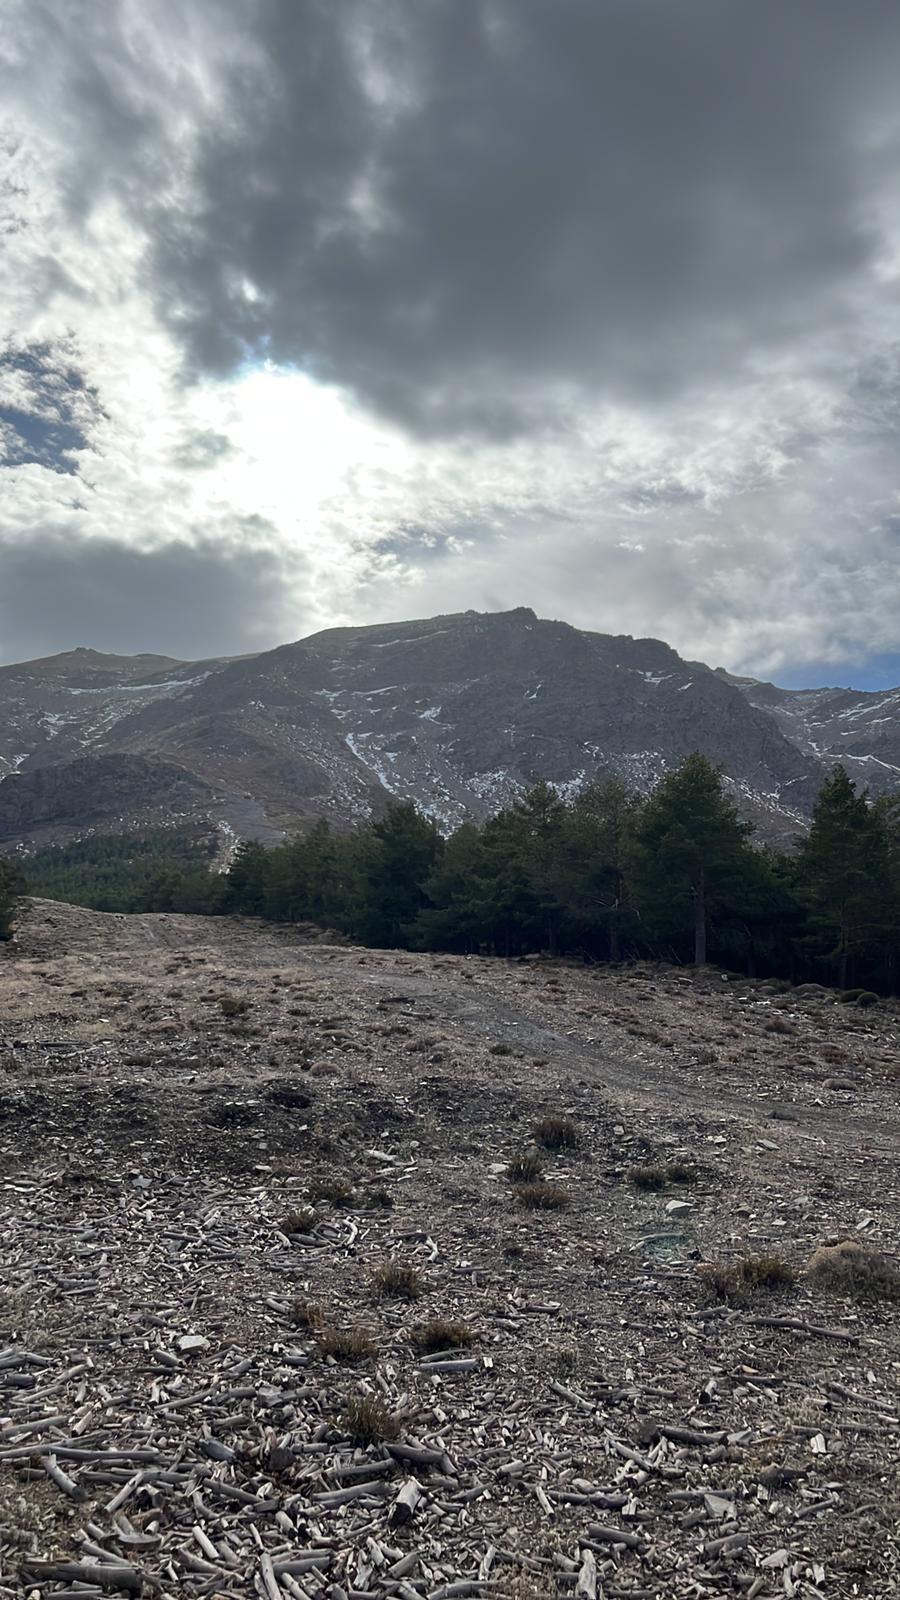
500 1050
398 1281
541 1196
738 1280
778 1025
345 1344
856 1270
368 1420
430 1337
233 1005
524 1167
337 1191
681 1172
303 1220
648 1177
307 1314
556 1133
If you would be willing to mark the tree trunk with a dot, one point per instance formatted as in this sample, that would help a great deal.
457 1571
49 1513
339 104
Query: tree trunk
615 947
700 920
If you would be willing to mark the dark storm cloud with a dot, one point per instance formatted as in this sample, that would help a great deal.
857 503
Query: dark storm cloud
457 210
183 600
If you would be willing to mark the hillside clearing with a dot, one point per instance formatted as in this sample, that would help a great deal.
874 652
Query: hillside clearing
607 1426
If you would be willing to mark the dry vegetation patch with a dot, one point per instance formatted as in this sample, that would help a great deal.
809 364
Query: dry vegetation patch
739 1280
541 1196
556 1133
430 1337
301 1220
397 1280
345 1344
855 1270
367 1420
526 1167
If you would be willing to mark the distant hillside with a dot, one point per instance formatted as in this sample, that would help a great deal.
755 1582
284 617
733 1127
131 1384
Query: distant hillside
458 713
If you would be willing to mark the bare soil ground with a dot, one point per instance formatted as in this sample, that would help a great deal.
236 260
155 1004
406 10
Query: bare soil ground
212 1136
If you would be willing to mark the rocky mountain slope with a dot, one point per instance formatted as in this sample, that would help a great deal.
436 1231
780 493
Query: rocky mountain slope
215 1140
459 713
858 727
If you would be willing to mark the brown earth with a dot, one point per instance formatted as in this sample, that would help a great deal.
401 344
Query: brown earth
174 1092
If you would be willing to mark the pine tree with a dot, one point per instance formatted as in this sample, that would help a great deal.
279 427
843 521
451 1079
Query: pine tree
246 879
690 853
844 872
397 858
593 868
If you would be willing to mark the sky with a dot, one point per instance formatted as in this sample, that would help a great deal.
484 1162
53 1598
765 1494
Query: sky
317 312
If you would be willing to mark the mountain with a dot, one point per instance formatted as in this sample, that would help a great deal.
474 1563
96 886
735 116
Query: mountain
859 727
458 713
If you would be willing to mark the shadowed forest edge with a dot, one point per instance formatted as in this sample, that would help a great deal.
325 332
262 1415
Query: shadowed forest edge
607 875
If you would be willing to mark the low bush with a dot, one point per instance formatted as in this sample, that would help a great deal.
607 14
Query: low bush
856 1270
398 1281
541 1196
525 1167
739 1280
556 1133
368 1420
345 1344
648 1177
440 1335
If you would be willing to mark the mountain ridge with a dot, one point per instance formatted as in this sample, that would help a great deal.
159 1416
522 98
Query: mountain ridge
459 713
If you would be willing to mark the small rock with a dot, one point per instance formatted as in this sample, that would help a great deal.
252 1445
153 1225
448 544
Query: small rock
676 1208
778 1559
191 1344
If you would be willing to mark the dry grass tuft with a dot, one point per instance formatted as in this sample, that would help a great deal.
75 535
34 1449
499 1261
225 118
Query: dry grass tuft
525 1167
307 1314
853 1269
430 1337
345 1344
556 1133
738 1280
233 1005
648 1177
337 1191
398 1281
541 1196
368 1420
778 1025
681 1172
303 1220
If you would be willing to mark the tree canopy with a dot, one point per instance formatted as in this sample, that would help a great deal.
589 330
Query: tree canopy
606 874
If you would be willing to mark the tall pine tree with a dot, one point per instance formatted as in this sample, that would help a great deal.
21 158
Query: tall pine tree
844 873
690 854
